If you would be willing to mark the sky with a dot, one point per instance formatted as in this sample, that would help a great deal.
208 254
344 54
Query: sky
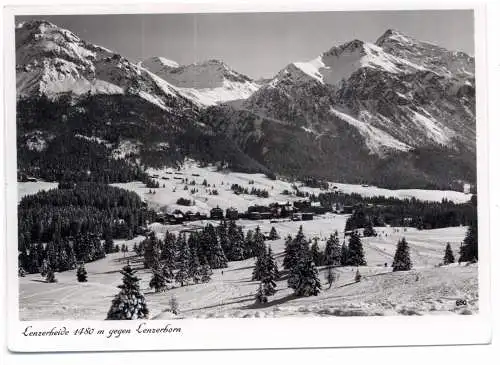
260 44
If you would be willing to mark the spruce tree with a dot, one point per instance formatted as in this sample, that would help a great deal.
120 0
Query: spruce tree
290 253
260 297
129 303
402 261
158 281
222 233
271 265
51 277
21 272
259 268
355 252
81 273
194 267
259 245
469 248
206 273
236 242
449 258
151 250
215 254
304 277
182 275
368 231
273 234
168 249
357 276
331 276
248 246
333 251
316 254
344 254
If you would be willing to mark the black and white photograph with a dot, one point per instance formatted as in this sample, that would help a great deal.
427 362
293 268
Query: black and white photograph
246 165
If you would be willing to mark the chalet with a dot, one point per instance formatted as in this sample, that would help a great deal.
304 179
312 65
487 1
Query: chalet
231 214
176 217
348 209
307 216
161 218
259 208
266 215
254 215
216 213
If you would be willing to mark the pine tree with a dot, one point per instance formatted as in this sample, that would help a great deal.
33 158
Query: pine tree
344 254
158 281
248 246
273 234
304 277
151 250
168 253
402 261
271 265
174 305
331 276
357 276
368 230
290 258
316 254
469 248
260 297
222 233
333 251
206 273
194 267
129 303
108 242
182 275
81 273
259 245
236 242
355 252
21 272
213 250
51 277
259 268
449 258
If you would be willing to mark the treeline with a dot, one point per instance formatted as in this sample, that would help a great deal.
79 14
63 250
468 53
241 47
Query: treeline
68 158
378 211
192 257
238 189
85 212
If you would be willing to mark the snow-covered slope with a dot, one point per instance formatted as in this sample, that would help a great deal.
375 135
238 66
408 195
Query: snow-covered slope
426 289
339 63
207 83
53 61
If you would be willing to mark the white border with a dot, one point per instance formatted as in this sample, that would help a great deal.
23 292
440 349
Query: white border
254 333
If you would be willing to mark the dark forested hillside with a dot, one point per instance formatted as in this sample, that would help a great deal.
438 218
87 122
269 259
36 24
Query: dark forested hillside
87 212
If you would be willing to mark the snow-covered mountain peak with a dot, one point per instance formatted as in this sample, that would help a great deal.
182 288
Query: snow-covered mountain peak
392 35
340 62
428 55
53 61
207 83
156 64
